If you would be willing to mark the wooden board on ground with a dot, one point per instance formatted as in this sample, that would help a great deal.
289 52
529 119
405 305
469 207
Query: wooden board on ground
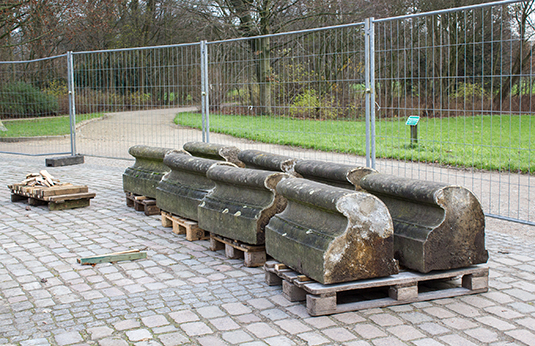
405 287
57 197
114 257
184 226
253 255
142 203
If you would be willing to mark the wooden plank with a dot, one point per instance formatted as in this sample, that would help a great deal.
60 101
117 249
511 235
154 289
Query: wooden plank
72 196
166 219
406 277
18 198
62 190
253 255
384 302
36 202
77 203
114 257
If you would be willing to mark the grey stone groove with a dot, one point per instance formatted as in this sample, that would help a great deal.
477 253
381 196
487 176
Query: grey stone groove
184 294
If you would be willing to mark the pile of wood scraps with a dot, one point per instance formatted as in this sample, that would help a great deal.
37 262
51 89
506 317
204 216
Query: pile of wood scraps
43 178
43 189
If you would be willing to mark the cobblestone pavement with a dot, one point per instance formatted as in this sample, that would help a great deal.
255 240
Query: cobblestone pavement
185 294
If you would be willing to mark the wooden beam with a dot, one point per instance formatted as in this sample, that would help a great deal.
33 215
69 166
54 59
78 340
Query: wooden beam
113 257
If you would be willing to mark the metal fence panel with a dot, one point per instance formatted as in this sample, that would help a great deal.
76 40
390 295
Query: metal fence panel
317 94
140 91
468 75
34 107
276 93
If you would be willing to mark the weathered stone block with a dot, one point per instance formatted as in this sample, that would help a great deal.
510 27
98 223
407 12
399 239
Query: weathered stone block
257 159
143 177
182 189
436 226
331 234
213 151
333 174
241 204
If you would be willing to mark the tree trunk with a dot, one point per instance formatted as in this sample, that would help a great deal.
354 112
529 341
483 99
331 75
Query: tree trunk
263 74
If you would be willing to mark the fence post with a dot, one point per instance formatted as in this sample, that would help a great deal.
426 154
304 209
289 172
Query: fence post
72 105
369 78
205 87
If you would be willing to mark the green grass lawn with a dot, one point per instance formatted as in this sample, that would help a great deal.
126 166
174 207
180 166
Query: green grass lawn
498 142
49 126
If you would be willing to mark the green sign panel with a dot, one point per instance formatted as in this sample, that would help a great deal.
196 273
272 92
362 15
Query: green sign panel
413 120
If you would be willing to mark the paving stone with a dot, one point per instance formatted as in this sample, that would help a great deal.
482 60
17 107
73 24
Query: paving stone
494 322
154 321
385 320
427 342
313 338
293 326
338 334
279 341
196 328
406 333
453 339
209 341
224 323
236 337
112 342
459 323
184 316
390 341
433 328
262 330
522 335
210 312
236 308
68 338
349 317
138 334
126 324
100 332
260 303
369 331
482 334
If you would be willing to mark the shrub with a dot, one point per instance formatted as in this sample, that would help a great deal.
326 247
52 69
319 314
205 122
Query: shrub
310 105
20 99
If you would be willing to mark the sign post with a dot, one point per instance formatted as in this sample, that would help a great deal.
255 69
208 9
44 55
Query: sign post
412 121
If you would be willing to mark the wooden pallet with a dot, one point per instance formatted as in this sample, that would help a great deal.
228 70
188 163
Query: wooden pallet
405 287
58 197
184 226
253 255
142 203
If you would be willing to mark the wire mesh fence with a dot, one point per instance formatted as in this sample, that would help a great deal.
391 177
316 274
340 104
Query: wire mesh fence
34 100
339 94
140 91
283 90
468 75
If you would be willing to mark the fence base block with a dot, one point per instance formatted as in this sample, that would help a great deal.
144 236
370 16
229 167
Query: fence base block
64 161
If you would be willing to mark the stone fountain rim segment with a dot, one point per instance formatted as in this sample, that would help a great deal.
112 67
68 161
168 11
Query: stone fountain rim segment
405 192
257 158
150 152
356 210
214 151
347 175
251 177
180 162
